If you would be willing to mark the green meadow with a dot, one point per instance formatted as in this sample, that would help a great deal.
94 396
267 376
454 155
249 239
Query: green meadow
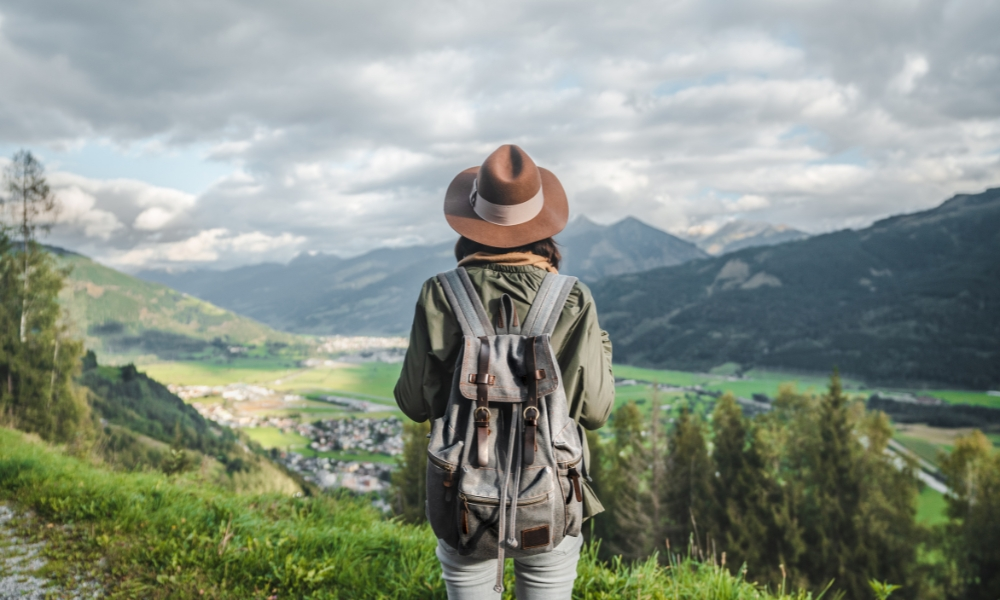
371 381
272 437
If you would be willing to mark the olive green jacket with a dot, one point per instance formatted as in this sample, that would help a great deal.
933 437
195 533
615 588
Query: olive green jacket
582 349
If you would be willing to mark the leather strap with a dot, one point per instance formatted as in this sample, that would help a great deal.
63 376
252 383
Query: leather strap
574 476
481 414
531 412
449 482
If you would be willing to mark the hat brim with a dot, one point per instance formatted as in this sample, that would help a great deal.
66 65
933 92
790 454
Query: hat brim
551 220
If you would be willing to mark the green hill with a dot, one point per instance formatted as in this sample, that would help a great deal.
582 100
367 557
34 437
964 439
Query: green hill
123 317
913 298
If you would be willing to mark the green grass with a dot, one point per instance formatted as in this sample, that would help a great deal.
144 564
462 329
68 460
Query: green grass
925 449
678 378
762 382
768 382
373 380
272 437
931 507
143 535
962 397
368 381
262 371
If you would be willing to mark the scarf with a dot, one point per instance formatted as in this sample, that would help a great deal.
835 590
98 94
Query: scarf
514 259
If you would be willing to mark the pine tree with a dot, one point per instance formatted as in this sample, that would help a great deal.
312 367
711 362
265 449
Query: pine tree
887 514
29 200
409 480
38 359
627 526
973 473
730 484
833 480
753 520
687 500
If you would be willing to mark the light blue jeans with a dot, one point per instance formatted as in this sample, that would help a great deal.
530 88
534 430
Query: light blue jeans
546 576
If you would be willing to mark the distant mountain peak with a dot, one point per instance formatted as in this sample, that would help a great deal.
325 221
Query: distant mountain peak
592 251
580 225
313 256
740 234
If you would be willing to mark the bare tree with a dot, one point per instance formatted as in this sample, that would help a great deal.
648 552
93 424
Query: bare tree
29 202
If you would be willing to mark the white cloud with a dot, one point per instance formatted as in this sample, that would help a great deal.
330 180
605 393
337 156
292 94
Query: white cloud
206 246
913 70
343 123
749 202
76 207
153 218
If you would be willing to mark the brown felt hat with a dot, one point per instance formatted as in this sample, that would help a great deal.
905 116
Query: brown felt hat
507 202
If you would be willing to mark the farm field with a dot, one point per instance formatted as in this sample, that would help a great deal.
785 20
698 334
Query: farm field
963 397
371 381
272 437
931 507
768 382
240 370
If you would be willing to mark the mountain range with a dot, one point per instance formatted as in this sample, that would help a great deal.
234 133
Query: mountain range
911 298
591 251
375 293
737 235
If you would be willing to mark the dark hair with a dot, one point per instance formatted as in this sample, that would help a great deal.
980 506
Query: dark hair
546 248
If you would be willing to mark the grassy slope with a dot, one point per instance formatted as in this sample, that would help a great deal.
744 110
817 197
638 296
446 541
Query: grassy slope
146 536
105 304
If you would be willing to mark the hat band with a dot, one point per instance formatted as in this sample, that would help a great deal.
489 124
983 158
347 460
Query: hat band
505 214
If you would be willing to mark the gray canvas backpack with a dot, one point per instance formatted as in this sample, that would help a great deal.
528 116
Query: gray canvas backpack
504 462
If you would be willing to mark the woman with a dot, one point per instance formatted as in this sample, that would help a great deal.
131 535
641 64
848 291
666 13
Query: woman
507 212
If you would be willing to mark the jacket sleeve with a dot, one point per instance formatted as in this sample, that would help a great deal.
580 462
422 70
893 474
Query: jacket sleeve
584 353
408 391
435 340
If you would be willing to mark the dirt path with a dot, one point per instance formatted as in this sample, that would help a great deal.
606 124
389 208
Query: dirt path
20 560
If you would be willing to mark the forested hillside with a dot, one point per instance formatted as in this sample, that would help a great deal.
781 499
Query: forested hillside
118 315
912 298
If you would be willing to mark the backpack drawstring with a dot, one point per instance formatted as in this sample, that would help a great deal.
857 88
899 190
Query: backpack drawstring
501 531
512 539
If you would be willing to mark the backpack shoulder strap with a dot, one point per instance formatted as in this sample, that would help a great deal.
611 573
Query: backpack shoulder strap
545 310
465 302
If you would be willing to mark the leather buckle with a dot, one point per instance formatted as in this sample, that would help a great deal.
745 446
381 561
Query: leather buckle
531 420
482 378
484 422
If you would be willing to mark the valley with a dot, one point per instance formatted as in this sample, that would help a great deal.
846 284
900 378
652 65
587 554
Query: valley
311 418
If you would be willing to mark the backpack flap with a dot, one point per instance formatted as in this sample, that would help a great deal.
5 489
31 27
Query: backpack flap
507 371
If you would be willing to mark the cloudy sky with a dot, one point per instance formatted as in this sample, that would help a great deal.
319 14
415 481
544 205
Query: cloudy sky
181 133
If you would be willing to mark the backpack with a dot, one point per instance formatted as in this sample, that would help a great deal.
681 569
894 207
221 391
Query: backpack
504 461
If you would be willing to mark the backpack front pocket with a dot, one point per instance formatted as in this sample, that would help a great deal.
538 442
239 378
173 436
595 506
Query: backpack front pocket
572 495
442 498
